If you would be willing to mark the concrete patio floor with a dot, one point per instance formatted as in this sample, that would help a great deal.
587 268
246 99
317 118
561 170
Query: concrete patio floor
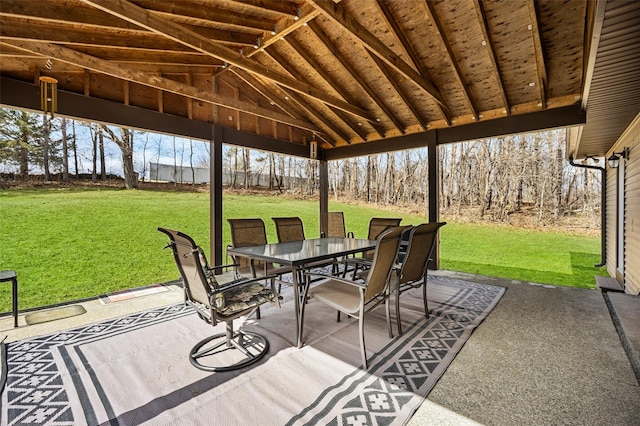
545 355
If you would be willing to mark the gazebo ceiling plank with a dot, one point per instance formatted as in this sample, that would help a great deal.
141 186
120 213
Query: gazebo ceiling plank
176 32
457 72
495 66
336 13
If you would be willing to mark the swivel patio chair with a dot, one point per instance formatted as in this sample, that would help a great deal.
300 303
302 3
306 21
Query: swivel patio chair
412 270
355 298
376 226
215 303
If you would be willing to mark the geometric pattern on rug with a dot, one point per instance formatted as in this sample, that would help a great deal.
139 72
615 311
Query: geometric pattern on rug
410 369
34 391
400 376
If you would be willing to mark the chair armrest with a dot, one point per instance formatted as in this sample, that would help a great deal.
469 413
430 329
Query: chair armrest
243 281
227 266
358 260
336 278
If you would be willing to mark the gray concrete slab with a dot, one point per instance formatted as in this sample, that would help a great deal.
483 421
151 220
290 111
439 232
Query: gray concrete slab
545 355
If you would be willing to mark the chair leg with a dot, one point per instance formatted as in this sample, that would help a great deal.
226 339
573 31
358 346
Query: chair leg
398 319
363 351
424 297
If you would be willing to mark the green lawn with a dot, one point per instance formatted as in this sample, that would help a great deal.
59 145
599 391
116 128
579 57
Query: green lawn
68 244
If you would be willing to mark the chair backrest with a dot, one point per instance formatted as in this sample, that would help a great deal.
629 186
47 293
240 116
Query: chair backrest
335 225
384 258
289 229
422 239
192 265
379 224
247 232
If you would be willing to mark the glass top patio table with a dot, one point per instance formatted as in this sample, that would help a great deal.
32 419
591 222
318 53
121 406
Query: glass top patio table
298 253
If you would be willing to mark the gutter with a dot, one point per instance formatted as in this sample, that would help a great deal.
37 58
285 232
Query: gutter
603 210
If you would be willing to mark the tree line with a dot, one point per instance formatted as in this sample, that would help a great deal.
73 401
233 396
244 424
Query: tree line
491 179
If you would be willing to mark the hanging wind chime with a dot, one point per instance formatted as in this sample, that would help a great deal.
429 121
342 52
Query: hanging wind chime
48 95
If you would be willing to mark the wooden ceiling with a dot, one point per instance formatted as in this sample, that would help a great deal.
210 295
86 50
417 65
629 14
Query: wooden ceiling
342 73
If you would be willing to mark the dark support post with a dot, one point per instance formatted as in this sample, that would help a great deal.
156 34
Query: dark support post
434 196
215 196
324 195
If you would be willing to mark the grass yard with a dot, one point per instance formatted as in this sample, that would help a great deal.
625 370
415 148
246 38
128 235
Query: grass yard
68 244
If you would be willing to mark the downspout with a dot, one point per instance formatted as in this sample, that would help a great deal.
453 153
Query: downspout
603 210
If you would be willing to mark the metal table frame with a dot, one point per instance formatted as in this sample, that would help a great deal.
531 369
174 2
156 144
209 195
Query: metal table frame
297 254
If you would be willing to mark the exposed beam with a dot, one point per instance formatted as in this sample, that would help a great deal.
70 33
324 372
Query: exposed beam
21 95
146 19
312 111
495 66
399 90
553 118
357 78
410 51
279 100
283 28
317 66
431 13
339 15
98 65
539 55
182 11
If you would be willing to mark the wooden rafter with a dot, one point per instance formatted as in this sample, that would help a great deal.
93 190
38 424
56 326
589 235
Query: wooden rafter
355 75
82 60
148 20
339 15
306 56
431 13
495 66
399 90
393 24
309 107
195 13
539 55
283 28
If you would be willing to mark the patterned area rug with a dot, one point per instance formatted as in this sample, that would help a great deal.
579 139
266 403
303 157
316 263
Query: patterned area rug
135 370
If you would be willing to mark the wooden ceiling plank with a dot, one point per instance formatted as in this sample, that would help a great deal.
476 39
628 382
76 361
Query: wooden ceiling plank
306 56
318 118
50 12
382 66
539 54
283 28
357 78
290 108
484 26
278 6
411 52
258 86
339 15
431 13
105 67
307 106
191 11
146 19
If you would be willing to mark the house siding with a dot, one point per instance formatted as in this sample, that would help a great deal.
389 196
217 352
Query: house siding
629 139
